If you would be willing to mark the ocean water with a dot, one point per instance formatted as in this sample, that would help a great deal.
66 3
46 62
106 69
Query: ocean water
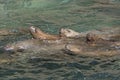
50 16
59 67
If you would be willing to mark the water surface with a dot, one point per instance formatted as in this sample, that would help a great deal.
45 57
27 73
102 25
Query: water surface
50 16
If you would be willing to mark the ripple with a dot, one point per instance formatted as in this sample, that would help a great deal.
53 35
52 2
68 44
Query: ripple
94 63
51 66
24 78
102 76
79 66
10 72
74 75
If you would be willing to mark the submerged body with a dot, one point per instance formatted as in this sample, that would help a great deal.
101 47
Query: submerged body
34 45
69 46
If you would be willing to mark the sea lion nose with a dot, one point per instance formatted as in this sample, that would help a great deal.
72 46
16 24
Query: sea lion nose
32 29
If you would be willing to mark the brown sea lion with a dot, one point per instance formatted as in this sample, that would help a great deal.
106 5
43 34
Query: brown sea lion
69 33
104 49
38 34
63 33
35 45
76 46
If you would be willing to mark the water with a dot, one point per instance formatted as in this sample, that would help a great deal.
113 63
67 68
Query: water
50 16
74 68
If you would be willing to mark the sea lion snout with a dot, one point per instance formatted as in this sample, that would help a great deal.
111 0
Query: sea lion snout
32 29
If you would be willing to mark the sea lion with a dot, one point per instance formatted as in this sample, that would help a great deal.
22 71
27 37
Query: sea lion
38 34
69 33
74 45
34 45
63 33
104 49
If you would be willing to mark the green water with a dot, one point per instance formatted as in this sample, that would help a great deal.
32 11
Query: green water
50 16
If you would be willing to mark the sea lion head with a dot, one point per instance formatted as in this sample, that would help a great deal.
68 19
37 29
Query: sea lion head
33 29
37 33
68 33
91 37
73 49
